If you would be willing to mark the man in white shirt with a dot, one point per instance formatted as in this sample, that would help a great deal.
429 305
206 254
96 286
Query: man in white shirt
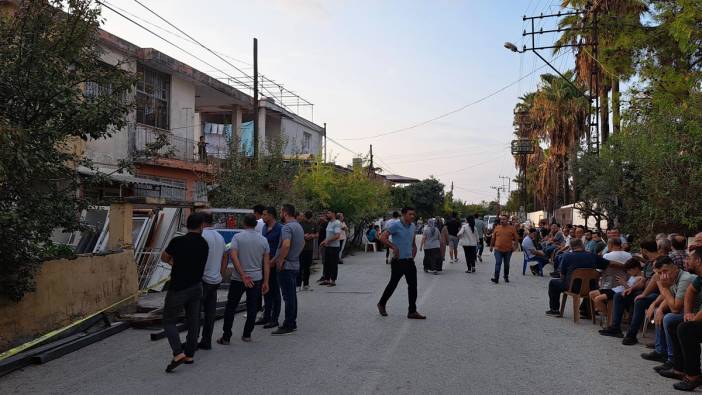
211 278
258 213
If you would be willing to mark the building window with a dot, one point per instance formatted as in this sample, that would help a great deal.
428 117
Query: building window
153 93
306 137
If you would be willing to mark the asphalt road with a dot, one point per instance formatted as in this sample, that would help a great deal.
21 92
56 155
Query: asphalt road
479 338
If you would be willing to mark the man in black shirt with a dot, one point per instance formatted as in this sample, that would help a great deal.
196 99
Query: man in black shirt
187 255
453 225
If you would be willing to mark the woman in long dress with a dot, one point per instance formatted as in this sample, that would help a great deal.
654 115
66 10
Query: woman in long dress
468 238
431 244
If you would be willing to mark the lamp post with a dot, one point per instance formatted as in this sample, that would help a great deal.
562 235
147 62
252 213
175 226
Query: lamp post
521 147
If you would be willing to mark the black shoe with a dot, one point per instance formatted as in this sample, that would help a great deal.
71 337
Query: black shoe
672 374
553 313
655 356
534 272
203 346
611 332
260 321
468 271
687 384
270 325
665 366
506 279
282 331
629 341
555 274
494 280
341 262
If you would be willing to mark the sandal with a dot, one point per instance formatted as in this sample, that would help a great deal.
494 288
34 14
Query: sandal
223 341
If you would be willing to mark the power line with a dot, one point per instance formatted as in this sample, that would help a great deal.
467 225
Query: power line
444 115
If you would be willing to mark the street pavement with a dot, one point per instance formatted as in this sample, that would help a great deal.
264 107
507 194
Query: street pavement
479 338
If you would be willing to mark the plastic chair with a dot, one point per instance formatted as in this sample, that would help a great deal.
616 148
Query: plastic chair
526 263
585 277
366 243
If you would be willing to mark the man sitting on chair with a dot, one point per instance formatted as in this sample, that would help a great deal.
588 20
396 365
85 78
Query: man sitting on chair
578 258
531 254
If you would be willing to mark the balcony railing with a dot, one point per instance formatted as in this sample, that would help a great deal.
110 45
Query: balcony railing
151 142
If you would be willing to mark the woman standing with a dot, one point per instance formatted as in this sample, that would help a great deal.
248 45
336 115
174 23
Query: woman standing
468 238
431 244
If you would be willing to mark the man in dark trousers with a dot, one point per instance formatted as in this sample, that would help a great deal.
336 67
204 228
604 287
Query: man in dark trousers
577 259
271 231
287 262
404 249
187 255
211 278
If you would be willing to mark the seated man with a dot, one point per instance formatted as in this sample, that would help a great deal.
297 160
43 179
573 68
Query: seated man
686 336
640 300
596 245
554 241
667 309
577 259
634 282
531 254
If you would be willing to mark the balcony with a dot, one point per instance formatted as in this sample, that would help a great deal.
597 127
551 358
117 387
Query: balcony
147 143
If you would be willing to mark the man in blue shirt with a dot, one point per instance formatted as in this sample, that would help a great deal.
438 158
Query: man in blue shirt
577 259
404 249
271 231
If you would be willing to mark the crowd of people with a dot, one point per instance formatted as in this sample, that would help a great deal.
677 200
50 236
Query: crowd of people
660 284
269 261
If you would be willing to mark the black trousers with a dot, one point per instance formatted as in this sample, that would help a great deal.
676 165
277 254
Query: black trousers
686 347
236 291
471 255
400 268
555 288
305 264
176 301
432 259
209 306
331 263
271 310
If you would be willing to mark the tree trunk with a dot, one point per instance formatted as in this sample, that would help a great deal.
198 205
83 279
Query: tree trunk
604 113
616 103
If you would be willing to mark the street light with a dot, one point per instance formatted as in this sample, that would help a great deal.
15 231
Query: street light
513 47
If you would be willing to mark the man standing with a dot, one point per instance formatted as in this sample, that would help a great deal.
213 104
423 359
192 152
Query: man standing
187 255
404 249
577 259
480 231
249 252
322 227
211 278
395 218
331 246
310 230
271 232
453 226
258 212
502 243
292 241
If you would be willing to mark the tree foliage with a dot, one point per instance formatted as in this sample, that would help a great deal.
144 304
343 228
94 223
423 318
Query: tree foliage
358 196
48 53
426 196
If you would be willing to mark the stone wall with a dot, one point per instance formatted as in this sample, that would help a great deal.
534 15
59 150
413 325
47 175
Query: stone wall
67 290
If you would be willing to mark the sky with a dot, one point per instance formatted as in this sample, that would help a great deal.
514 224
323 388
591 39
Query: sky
373 67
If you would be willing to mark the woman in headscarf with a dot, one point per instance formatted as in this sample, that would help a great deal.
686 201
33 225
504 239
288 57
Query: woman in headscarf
431 244
468 238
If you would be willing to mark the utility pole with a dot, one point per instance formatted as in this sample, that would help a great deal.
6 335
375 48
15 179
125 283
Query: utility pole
255 98
371 169
325 142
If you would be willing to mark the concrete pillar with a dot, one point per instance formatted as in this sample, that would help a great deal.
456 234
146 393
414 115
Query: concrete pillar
236 121
262 130
120 226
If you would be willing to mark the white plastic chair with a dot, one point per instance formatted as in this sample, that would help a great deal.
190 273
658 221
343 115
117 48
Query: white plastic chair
367 243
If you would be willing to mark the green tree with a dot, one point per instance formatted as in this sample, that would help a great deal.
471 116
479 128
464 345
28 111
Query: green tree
48 53
426 196
358 196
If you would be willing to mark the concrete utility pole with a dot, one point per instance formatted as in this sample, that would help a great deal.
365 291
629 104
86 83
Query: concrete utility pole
255 98
370 168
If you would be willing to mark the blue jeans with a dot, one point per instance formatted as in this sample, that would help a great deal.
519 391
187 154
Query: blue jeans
639 314
271 311
287 280
549 250
499 257
664 343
